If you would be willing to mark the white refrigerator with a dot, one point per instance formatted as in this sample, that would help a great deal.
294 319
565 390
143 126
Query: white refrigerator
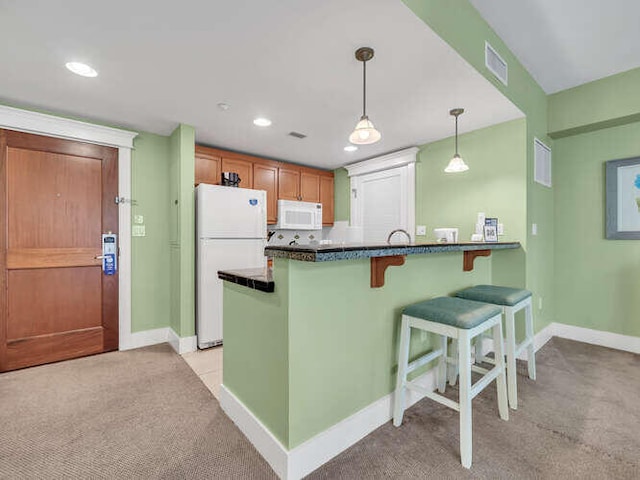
231 230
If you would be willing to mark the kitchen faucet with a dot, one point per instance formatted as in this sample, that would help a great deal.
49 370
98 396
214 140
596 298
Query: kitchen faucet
396 231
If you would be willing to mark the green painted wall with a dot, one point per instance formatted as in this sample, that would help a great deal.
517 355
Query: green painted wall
495 182
302 363
150 302
256 350
604 103
342 187
182 230
461 26
597 279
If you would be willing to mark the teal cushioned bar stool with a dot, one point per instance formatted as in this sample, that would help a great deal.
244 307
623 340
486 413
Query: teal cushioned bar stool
511 301
462 320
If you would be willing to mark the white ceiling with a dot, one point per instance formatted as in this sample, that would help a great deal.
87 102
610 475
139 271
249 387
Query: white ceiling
565 43
162 63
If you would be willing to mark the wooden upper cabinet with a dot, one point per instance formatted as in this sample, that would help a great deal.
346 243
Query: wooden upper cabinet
265 177
281 181
207 167
288 183
309 186
326 198
244 169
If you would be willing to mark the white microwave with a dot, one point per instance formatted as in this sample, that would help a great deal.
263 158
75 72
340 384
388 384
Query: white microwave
299 215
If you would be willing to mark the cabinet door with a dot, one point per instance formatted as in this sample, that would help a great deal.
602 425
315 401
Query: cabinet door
309 187
207 168
288 184
326 198
243 168
265 177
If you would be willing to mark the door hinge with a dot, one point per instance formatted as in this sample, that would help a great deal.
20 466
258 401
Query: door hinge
354 191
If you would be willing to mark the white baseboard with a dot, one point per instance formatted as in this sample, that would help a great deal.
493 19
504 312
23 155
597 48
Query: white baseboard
269 446
160 335
616 341
145 338
182 344
315 452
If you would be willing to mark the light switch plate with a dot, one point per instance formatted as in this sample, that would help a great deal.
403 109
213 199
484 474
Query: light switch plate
138 231
501 229
138 219
421 230
534 229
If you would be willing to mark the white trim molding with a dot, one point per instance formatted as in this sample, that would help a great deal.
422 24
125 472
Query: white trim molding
384 162
51 126
182 344
616 341
145 338
315 452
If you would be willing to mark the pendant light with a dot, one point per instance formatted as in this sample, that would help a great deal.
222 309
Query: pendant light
365 133
456 164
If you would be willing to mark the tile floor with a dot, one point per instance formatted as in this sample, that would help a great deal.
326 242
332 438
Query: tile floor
208 366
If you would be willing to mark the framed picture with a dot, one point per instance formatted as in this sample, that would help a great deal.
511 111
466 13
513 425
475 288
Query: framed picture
490 233
622 217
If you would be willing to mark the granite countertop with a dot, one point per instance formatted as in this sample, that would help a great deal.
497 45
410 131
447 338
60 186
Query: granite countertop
256 278
332 252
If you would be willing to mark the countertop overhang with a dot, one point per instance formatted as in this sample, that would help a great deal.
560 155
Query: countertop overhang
333 252
255 278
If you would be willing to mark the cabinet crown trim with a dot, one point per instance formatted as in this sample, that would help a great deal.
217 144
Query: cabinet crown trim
384 162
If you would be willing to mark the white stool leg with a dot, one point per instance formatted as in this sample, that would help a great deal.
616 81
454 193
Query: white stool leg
442 365
464 363
501 381
453 369
531 353
403 361
479 349
511 358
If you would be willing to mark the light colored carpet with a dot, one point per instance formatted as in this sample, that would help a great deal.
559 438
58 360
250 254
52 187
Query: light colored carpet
137 414
145 414
580 419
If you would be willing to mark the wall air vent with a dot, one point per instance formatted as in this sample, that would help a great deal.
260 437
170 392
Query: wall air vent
495 63
297 135
541 163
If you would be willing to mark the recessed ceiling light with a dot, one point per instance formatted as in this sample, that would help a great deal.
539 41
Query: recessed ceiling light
223 106
350 148
81 69
262 122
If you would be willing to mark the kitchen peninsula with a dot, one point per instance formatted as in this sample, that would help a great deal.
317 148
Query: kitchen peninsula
322 346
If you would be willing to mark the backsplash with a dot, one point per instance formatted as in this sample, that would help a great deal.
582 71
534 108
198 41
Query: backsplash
301 237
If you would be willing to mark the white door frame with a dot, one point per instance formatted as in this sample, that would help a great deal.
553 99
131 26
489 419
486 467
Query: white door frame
402 159
52 126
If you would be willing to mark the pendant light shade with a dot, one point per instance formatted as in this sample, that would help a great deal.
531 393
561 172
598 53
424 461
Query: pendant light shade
456 164
365 133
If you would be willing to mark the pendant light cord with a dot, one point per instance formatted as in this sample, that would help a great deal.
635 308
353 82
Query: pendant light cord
456 134
364 88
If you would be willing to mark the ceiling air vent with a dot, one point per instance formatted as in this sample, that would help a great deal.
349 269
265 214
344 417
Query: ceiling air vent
542 163
297 135
495 63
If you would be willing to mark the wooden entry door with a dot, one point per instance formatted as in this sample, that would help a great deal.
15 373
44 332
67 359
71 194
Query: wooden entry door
56 200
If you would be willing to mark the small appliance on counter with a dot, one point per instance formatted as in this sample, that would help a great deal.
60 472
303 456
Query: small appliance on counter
230 179
231 231
446 235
